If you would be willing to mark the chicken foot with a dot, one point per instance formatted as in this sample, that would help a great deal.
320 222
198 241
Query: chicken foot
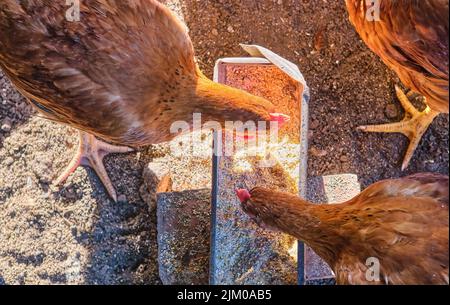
91 152
413 126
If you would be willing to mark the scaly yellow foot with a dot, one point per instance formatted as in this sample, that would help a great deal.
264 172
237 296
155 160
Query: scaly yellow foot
91 152
414 125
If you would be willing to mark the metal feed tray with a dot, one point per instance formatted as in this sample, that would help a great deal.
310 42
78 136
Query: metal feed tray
241 252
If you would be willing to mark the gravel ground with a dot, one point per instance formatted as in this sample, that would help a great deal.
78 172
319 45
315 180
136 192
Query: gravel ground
77 235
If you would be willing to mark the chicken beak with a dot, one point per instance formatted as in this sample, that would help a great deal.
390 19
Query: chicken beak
243 195
280 118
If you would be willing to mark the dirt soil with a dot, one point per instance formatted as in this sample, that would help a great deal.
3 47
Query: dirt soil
75 234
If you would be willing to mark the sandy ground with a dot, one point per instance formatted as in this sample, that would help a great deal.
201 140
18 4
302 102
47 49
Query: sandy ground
75 234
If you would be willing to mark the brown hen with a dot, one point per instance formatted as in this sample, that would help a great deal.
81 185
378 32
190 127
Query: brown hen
411 37
401 223
125 72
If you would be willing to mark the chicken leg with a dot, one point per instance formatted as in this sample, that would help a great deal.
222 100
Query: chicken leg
413 126
91 152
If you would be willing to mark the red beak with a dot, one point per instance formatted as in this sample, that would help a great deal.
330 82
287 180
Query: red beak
243 195
280 118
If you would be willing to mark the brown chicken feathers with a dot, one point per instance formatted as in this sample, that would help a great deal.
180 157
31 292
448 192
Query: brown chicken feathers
404 223
125 72
412 39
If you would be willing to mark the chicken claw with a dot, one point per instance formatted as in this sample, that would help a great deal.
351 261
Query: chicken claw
91 152
413 126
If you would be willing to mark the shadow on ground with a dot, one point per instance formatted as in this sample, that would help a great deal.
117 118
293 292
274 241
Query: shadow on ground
14 110
73 234
122 240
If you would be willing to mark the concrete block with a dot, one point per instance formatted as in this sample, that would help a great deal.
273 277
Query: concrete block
184 223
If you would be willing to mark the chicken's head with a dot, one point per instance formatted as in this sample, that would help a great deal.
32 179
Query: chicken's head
258 209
